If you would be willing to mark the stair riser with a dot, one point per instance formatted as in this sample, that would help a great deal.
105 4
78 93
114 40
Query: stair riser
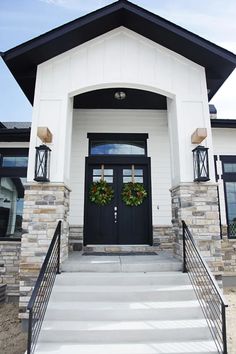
123 297
124 315
131 281
116 267
124 336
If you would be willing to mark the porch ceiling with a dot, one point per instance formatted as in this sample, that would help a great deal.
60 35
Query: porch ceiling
22 60
135 99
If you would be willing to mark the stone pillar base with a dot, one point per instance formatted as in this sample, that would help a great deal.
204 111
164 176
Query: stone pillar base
197 205
44 205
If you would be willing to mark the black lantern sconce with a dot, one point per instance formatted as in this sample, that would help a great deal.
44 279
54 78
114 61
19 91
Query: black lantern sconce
42 163
200 164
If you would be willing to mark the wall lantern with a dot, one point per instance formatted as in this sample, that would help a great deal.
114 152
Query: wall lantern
200 164
42 163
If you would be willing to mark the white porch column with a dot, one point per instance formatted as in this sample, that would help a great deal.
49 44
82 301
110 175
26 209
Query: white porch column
195 203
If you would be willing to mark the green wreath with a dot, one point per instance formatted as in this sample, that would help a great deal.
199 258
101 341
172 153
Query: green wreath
133 194
101 193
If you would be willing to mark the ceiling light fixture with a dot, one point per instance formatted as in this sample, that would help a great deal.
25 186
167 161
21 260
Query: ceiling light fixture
120 95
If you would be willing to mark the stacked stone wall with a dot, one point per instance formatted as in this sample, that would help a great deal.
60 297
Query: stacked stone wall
197 205
9 267
163 236
44 205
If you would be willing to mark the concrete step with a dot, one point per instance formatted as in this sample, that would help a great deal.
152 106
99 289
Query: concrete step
105 264
120 311
123 293
124 312
131 279
123 331
196 347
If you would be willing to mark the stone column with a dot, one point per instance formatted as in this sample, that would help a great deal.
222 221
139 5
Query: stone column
197 205
44 205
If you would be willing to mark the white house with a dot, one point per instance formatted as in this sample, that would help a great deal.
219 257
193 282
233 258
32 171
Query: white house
123 95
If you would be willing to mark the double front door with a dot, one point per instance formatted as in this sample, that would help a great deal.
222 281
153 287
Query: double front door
117 223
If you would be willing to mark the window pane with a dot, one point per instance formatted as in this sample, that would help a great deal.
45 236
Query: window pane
11 206
231 206
108 179
117 148
96 178
15 161
127 179
97 172
127 172
138 172
138 179
108 172
230 167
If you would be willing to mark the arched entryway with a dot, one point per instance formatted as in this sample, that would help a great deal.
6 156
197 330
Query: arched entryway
117 128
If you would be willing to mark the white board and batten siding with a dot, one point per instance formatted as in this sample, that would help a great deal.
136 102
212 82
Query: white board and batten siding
224 143
152 122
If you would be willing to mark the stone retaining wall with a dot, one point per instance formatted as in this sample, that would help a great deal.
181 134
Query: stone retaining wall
9 267
44 205
197 205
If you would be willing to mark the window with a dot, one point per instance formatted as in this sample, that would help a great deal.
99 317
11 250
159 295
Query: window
230 167
230 188
117 144
117 148
14 161
229 178
11 206
13 169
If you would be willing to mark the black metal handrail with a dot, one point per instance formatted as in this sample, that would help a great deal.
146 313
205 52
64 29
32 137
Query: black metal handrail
207 290
40 297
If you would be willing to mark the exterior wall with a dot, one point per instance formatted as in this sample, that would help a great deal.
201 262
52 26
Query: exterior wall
123 121
45 204
9 267
139 63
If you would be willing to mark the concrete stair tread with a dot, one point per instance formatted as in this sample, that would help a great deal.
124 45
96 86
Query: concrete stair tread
123 325
115 305
121 275
190 347
120 288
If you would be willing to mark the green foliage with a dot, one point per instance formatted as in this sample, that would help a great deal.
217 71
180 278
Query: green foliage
101 193
133 194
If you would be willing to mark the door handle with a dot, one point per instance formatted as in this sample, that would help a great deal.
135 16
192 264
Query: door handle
115 217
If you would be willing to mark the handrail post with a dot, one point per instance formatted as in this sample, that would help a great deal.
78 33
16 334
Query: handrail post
29 332
224 335
184 248
59 248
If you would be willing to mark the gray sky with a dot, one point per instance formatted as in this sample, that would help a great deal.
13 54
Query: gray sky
21 20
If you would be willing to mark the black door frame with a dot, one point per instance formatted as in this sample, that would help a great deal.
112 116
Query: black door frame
119 160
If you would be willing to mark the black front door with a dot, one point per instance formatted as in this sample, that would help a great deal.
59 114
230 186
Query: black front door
117 223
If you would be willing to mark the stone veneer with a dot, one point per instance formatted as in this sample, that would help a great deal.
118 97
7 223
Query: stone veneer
44 205
9 267
197 205
163 237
